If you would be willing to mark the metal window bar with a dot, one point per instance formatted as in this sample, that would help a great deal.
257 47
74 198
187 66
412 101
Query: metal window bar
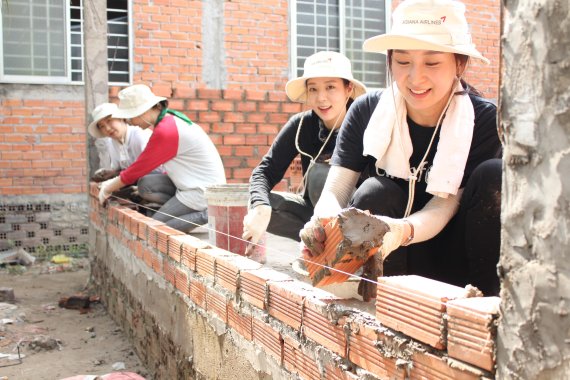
68 43
347 23
33 33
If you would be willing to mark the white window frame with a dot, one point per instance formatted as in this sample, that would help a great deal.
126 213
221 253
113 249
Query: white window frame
36 79
342 30
67 79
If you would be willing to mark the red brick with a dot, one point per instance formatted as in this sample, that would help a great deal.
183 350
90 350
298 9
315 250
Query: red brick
415 306
297 360
286 301
163 234
206 260
429 366
240 319
254 285
228 269
269 338
175 247
169 271
217 303
181 281
363 351
198 292
471 330
318 327
203 93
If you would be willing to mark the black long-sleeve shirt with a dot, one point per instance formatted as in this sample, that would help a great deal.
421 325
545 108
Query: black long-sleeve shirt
283 151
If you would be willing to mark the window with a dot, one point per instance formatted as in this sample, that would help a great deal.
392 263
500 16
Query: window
341 25
42 41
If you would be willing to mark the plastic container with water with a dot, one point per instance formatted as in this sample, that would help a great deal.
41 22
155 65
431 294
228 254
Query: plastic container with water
227 206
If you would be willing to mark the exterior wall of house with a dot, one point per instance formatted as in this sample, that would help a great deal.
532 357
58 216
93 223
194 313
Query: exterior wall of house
225 64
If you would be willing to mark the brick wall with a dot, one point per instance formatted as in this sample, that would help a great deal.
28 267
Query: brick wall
42 147
171 44
197 311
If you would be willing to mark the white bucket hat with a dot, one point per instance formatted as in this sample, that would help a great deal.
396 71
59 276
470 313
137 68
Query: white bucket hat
324 64
135 100
99 113
437 25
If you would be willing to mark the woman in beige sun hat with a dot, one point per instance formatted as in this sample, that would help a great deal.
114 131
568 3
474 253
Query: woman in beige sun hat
123 142
328 88
430 147
189 157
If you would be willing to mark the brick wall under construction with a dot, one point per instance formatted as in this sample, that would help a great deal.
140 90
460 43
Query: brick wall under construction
193 310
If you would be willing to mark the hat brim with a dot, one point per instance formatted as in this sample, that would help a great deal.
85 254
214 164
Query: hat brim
385 42
129 113
296 89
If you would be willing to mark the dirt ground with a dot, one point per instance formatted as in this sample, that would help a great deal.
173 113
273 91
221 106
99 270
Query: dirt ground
56 342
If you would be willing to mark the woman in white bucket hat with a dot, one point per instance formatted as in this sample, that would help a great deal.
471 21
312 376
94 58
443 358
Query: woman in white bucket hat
189 157
123 143
328 88
430 146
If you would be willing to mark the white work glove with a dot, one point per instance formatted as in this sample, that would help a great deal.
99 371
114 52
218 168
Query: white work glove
393 239
107 187
255 223
373 268
313 237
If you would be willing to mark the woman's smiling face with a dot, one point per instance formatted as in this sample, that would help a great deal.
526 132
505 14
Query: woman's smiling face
328 98
425 79
113 128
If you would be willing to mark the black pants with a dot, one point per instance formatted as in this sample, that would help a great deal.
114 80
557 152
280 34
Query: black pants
291 211
467 250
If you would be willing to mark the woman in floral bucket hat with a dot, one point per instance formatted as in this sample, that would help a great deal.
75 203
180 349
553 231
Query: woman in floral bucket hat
189 157
328 88
430 146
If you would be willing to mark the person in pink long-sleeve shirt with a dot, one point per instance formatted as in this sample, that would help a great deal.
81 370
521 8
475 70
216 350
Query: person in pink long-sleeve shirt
189 157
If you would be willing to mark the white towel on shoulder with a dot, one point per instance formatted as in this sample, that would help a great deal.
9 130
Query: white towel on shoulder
389 141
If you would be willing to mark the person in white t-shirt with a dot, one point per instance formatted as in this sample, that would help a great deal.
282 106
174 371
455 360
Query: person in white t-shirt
123 143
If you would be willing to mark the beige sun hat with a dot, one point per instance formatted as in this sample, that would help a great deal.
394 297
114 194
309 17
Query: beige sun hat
135 100
324 64
438 25
99 113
